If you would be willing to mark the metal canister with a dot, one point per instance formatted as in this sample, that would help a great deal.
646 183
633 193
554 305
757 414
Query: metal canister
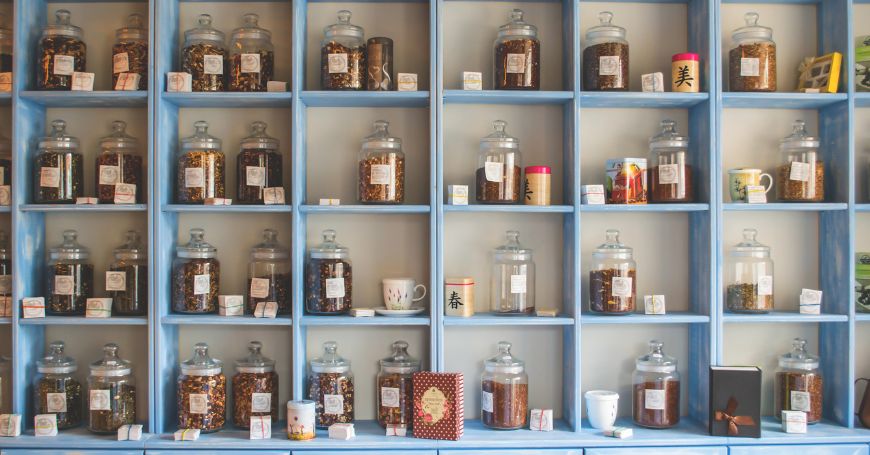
379 51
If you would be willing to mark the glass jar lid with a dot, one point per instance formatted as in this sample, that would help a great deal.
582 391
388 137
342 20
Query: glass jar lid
799 138
504 361
70 248
258 139
132 248
750 247
656 361
513 250
517 26
381 138
197 247
4 245
752 31
799 358
330 362
255 362
119 139
134 30
201 364
400 361
269 248
58 137
343 28
204 31
499 138
62 26
329 249
111 364
251 29
612 248
56 361
862 264
668 138
201 140
605 28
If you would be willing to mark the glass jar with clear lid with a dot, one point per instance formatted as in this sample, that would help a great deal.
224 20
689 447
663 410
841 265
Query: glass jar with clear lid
669 167
255 387
56 391
800 176
517 55
504 391
656 389
499 167
259 165
513 278
119 162
252 57
612 277
111 392
69 277
5 385
196 276
343 55
62 51
752 60
6 48
749 276
202 392
5 268
330 386
130 52
798 384
269 274
5 163
605 56
395 395
204 56
59 173
328 277
381 167
127 277
200 168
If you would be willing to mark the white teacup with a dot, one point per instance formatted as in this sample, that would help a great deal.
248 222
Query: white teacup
601 407
399 293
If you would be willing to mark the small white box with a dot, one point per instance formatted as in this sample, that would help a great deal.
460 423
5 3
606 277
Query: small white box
341 431
82 82
654 304
5 82
547 313
179 82
190 434
261 427
45 425
330 201
619 432
810 301
362 312
273 196
98 307
231 305
541 420
10 425
794 421
457 194
592 194
756 194
653 82
33 307
86 201
397 430
125 193
266 310
276 86
128 81
472 80
130 433
5 195
5 306
406 82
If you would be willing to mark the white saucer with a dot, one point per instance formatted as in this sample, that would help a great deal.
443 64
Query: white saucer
383 311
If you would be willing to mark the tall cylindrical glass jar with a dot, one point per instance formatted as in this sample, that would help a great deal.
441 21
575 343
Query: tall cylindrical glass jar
119 162
381 167
204 56
196 276
799 385
252 57
62 51
255 387
259 165
69 277
328 277
513 278
749 276
200 169
59 173
656 389
504 391
56 391
269 274
111 392
669 167
130 52
343 55
800 176
127 278
395 395
330 386
605 56
202 392
613 277
499 167
752 60
517 55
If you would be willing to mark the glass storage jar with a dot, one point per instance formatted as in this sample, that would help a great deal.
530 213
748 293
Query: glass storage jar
513 278
330 386
798 385
328 277
504 391
605 57
255 387
395 395
127 278
5 269
111 392
862 282
749 276
62 51
343 55
196 276
269 274
259 165
5 385
69 277
6 48
130 52
56 391
204 56
669 168
119 162
252 57
752 60
381 167
59 171
801 176
201 167
202 392
517 55
499 167
656 389
5 162
613 277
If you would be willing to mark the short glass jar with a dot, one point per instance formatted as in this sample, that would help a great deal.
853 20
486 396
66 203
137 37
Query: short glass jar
269 275
255 387
69 277
55 389
328 277
119 162
330 386
752 60
605 56
201 168
204 55
62 51
499 167
800 176
749 276
669 167
111 393
798 384
395 395
513 278
59 171
202 392
343 55
504 391
5 268
613 277
259 165
127 278
862 282
130 52
252 57
656 389
517 55
196 276
381 167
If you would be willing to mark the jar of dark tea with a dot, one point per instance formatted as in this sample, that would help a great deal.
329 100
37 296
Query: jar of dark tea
749 276
204 56
69 277
259 165
201 167
119 163
395 395
613 277
517 55
130 52
330 386
656 389
111 392
252 57
61 52
269 274
798 385
752 60
381 167
513 278
55 389
255 387
504 392
202 392
59 170
605 57
499 167
196 276
669 168
343 56
127 278
328 277
800 176
5 268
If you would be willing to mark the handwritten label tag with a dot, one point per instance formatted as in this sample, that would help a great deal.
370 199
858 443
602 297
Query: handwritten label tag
64 65
337 63
213 64
799 171
516 63
749 67
259 288
120 63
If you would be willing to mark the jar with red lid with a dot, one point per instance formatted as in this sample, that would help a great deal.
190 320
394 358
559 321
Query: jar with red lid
685 73
536 187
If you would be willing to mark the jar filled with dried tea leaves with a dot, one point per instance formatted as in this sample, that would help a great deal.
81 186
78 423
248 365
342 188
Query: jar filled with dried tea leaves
259 165
328 277
330 386
119 163
252 57
752 60
55 390
517 55
343 56
504 391
269 274
61 52
801 175
69 277
255 387
605 57
196 276
669 168
202 392
513 278
613 277
130 52
201 167
5 267
395 395
204 56
127 278
111 392
59 174
381 167
499 170
749 276
798 385
656 382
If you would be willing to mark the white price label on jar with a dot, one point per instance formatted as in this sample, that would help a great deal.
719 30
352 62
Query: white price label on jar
669 174
390 397
64 65
49 177
198 403
194 177
261 402
654 399
255 176
110 175
749 67
494 171
609 65
486 401
620 286
259 288
765 285
334 288
120 63
116 281
100 400
516 63
250 63
64 285
518 284
380 174
333 404
337 63
800 171
201 284
800 401
213 64
55 402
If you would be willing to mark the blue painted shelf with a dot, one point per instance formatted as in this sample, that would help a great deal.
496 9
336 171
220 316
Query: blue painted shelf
48 208
5 321
214 319
377 320
83 321
862 99
363 209
229 99
785 207
781 100
862 317
645 208
5 209
862 207
87 99
67 440
688 432
677 317
365 99
664 100
182 208
481 208
506 97
488 319
783 316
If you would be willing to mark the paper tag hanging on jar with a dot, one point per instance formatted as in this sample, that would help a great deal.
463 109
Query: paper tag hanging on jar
749 67
799 171
55 402
654 399
213 64
669 174
198 403
390 397
337 63
120 63
116 281
201 284
333 404
194 177
486 401
255 176
516 63
518 284
100 400
380 174
609 65
109 175
49 177
250 63
261 402
259 288
765 285
620 286
64 285
334 288
494 171
64 65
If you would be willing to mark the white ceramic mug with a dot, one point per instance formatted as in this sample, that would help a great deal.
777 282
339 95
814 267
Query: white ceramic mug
601 408
399 293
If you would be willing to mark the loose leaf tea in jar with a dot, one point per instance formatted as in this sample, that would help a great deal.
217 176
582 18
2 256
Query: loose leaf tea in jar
204 56
130 52
200 172
330 386
127 278
749 276
69 277
202 392
259 165
343 56
328 277
798 385
656 381
605 57
381 167
801 175
111 393
513 278
55 390
752 62
195 276
613 277
61 52
59 169
269 274
252 57
395 395
517 55
499 168
669 168
119 162
255 387
504 391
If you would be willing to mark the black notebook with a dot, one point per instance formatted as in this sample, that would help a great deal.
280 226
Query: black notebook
735 402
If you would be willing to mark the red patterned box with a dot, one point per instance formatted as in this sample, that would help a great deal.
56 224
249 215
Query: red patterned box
439 406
